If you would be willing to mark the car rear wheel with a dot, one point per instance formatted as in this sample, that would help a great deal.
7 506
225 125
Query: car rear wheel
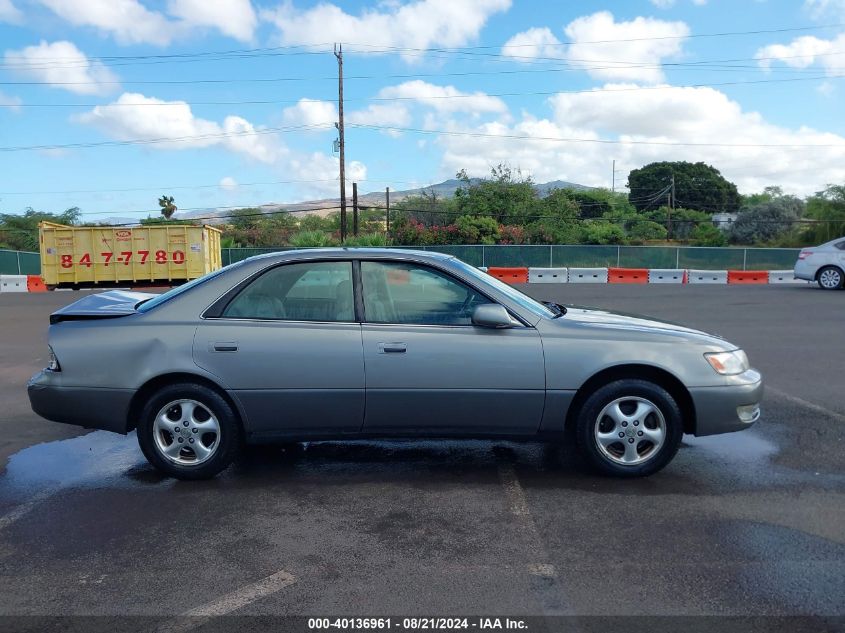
189 431
831 278
629 428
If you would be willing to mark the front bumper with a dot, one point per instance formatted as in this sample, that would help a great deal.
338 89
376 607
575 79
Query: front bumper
718 409
105 409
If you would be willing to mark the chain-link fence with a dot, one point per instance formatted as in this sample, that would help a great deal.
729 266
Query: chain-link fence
19 263
556 256
582 256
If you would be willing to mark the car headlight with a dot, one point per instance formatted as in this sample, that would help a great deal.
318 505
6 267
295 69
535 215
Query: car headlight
728 363
53 363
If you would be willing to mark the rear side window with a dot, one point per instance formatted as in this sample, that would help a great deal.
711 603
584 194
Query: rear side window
309 291
840 245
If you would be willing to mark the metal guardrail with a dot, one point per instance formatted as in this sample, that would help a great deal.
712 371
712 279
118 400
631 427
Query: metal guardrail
538 256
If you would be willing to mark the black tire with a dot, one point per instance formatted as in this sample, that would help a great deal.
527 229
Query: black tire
830 272
587 421
227 444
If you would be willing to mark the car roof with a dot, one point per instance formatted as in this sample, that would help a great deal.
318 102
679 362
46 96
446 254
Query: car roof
352 253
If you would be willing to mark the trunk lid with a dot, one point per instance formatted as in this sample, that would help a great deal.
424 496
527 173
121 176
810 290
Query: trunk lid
105 305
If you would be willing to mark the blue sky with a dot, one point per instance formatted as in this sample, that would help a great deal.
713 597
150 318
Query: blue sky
239 97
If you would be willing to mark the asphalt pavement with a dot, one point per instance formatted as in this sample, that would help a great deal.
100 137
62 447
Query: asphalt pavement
746 524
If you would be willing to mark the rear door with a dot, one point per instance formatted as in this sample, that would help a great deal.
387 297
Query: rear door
289 346
430 371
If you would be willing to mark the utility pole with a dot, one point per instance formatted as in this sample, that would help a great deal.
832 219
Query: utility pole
671 205
387 206
355 209
338 52
613 180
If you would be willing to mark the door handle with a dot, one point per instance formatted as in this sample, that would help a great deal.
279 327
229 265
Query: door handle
392 348
225 347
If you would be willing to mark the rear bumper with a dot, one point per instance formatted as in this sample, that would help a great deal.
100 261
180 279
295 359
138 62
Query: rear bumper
719 409
805 271
105 409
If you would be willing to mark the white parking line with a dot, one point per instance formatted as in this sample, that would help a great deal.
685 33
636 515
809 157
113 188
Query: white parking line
23 509
805 403
546 582
230 602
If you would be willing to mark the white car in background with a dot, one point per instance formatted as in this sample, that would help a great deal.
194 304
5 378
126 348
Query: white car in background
824 264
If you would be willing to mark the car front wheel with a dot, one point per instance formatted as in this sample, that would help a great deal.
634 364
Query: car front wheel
189 431
629 428
830 278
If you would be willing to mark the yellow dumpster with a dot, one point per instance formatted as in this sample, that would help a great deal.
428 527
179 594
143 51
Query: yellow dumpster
97 255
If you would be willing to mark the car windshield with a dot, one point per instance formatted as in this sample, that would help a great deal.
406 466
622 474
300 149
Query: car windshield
535 307
148 304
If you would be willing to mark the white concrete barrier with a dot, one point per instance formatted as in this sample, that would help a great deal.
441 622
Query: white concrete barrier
587 275
483 269
707 276
666 275
13 283
784 277
547 275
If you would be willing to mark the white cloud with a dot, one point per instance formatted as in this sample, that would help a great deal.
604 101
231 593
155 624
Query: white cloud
62 65
444 98
235 18
670 115
668 4
130 22
419 24
821 8
533 43
311 112
228 184
826 88
127 20
136 116
381 114
13 103
804 52
638 48
10 13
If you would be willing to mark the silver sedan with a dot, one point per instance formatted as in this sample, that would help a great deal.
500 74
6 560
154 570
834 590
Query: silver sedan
824 264
375 343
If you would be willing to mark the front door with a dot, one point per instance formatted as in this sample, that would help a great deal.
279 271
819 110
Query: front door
289 347
430 371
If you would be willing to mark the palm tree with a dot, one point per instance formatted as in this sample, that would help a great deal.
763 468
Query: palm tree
167 206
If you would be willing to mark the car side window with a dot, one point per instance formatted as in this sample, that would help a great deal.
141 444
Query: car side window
840 245
308 291
396 292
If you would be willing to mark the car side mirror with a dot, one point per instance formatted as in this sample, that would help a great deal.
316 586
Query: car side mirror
491 315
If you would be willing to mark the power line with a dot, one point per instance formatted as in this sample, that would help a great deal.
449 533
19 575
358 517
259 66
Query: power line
588 140
309 49
176 139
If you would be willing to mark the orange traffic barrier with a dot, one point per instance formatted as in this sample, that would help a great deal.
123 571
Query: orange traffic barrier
34 283
627 275
748 277
510 275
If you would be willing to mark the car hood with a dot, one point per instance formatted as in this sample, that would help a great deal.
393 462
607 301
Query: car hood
105 305
598 318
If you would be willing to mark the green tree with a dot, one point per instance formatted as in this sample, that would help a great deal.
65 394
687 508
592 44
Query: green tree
507 196
708 235
828 209
168 208
19 232
766 221
477 230
698 186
